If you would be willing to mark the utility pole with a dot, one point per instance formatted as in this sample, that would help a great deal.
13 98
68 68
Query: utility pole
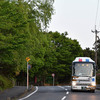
96 39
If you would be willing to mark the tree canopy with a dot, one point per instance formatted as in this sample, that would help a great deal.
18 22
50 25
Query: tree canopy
23 34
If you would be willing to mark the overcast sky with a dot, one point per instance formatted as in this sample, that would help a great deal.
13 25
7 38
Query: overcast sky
77 17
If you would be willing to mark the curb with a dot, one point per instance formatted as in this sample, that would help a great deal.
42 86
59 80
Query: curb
98 86
21 94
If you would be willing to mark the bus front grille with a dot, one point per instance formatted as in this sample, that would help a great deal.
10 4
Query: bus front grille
83 84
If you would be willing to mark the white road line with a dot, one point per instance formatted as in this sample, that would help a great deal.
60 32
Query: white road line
67 86
66 89
67 92
61 87
63 98
29 94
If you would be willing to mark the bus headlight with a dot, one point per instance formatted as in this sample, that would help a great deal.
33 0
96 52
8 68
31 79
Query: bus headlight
73 83
93 84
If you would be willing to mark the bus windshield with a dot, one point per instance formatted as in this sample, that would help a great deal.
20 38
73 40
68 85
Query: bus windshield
83 69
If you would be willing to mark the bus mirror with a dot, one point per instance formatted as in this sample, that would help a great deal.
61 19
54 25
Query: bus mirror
96 68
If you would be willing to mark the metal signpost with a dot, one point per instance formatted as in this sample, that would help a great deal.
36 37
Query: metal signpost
53 75
27 59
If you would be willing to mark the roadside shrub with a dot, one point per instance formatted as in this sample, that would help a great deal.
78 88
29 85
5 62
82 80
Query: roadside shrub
98 77
5 83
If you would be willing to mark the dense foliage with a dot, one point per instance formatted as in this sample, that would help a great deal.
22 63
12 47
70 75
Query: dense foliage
23 34
89 53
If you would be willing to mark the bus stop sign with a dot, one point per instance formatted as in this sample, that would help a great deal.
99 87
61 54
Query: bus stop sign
53 74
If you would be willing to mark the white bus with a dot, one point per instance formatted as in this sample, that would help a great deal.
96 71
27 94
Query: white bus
83 74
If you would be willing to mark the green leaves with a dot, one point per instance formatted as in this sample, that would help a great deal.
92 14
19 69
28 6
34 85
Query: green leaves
66 50
22 35
41 11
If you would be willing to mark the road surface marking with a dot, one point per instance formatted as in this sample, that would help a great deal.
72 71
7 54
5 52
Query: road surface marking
66 89
67 92
63 98
29 94
61 87
67 86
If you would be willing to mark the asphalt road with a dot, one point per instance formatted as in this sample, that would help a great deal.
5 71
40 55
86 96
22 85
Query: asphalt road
60 93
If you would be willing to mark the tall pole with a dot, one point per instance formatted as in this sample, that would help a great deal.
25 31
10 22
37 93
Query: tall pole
96 37
96 46
27 76
53 80
27 59
53 76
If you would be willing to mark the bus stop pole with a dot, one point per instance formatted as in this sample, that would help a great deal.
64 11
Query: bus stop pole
53 80
27 76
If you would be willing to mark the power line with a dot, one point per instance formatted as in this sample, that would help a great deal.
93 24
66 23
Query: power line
97 12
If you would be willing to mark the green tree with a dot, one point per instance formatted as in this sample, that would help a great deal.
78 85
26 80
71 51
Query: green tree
66 50
88 53
21 34
13 36
98 55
